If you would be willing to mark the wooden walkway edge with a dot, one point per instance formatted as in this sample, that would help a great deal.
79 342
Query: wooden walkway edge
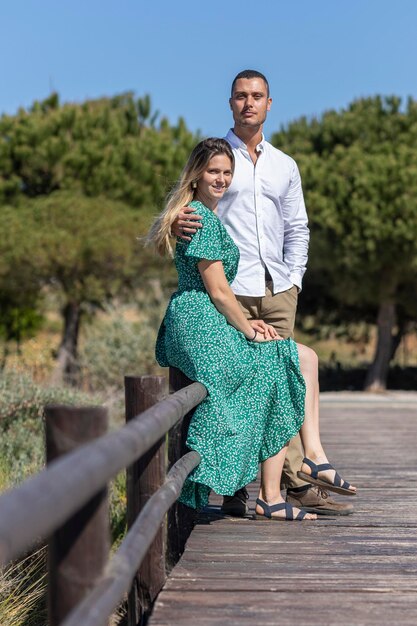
357 570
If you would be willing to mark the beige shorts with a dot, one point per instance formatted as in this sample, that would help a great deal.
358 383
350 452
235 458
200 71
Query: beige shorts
276 309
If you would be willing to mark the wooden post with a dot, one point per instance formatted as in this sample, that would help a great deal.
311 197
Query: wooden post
181 519
143 478
78 551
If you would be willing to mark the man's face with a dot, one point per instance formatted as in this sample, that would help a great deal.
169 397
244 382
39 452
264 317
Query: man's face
249 102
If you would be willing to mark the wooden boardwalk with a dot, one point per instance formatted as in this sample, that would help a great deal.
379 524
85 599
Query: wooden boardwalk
355 570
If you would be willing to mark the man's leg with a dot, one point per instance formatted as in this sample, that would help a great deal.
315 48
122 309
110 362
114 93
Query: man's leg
279 311
292 464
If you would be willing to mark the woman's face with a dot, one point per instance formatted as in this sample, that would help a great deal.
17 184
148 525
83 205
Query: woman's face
216 179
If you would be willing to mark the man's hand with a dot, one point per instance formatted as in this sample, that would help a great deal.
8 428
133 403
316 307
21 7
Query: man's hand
266 332
186 223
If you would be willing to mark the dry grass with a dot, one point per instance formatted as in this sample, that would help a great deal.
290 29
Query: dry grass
36 355
22 592
358 353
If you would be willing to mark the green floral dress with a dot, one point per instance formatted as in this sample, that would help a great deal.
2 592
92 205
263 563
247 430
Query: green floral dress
255 401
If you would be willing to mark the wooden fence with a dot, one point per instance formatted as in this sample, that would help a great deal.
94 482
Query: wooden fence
67 502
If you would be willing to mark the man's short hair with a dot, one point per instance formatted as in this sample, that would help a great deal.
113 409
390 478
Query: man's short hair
250 74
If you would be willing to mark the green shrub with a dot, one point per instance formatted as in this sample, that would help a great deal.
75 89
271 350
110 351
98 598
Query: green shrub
114 347
22 404
22 584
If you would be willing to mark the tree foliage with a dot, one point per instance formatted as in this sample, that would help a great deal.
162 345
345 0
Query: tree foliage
78 184
20 281
111 147
359 169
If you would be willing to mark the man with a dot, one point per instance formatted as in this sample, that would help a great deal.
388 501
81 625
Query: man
264 212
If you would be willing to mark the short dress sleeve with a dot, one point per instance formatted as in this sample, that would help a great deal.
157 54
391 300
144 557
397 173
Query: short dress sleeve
207 242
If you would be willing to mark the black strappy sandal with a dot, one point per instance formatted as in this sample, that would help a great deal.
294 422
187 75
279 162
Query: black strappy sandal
289 512
338 485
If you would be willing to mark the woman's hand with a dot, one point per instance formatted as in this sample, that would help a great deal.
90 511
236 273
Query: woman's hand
266 332
187 222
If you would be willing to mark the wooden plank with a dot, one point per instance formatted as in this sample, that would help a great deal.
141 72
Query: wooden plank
325 608
352 582
356 570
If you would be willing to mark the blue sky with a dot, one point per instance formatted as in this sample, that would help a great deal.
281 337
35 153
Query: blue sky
317 54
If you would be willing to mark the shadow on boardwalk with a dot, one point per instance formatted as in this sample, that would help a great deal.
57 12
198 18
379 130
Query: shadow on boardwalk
355 570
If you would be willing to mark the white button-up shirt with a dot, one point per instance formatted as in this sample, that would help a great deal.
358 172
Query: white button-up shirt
264 212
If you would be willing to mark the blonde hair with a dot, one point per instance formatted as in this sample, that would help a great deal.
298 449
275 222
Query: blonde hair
160 234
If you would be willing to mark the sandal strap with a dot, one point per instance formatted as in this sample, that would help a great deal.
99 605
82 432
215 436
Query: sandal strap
339 482
289 512
315 469
265 507
301 515
268 510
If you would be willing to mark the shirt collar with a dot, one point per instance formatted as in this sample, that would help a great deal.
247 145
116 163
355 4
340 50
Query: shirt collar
236 142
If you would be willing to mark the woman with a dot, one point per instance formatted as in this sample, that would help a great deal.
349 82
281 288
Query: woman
256 391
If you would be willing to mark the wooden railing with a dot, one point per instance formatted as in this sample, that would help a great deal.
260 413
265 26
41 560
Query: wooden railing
67 502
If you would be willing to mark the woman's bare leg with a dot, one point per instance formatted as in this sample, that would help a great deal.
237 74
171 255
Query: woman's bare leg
270 491
310 430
